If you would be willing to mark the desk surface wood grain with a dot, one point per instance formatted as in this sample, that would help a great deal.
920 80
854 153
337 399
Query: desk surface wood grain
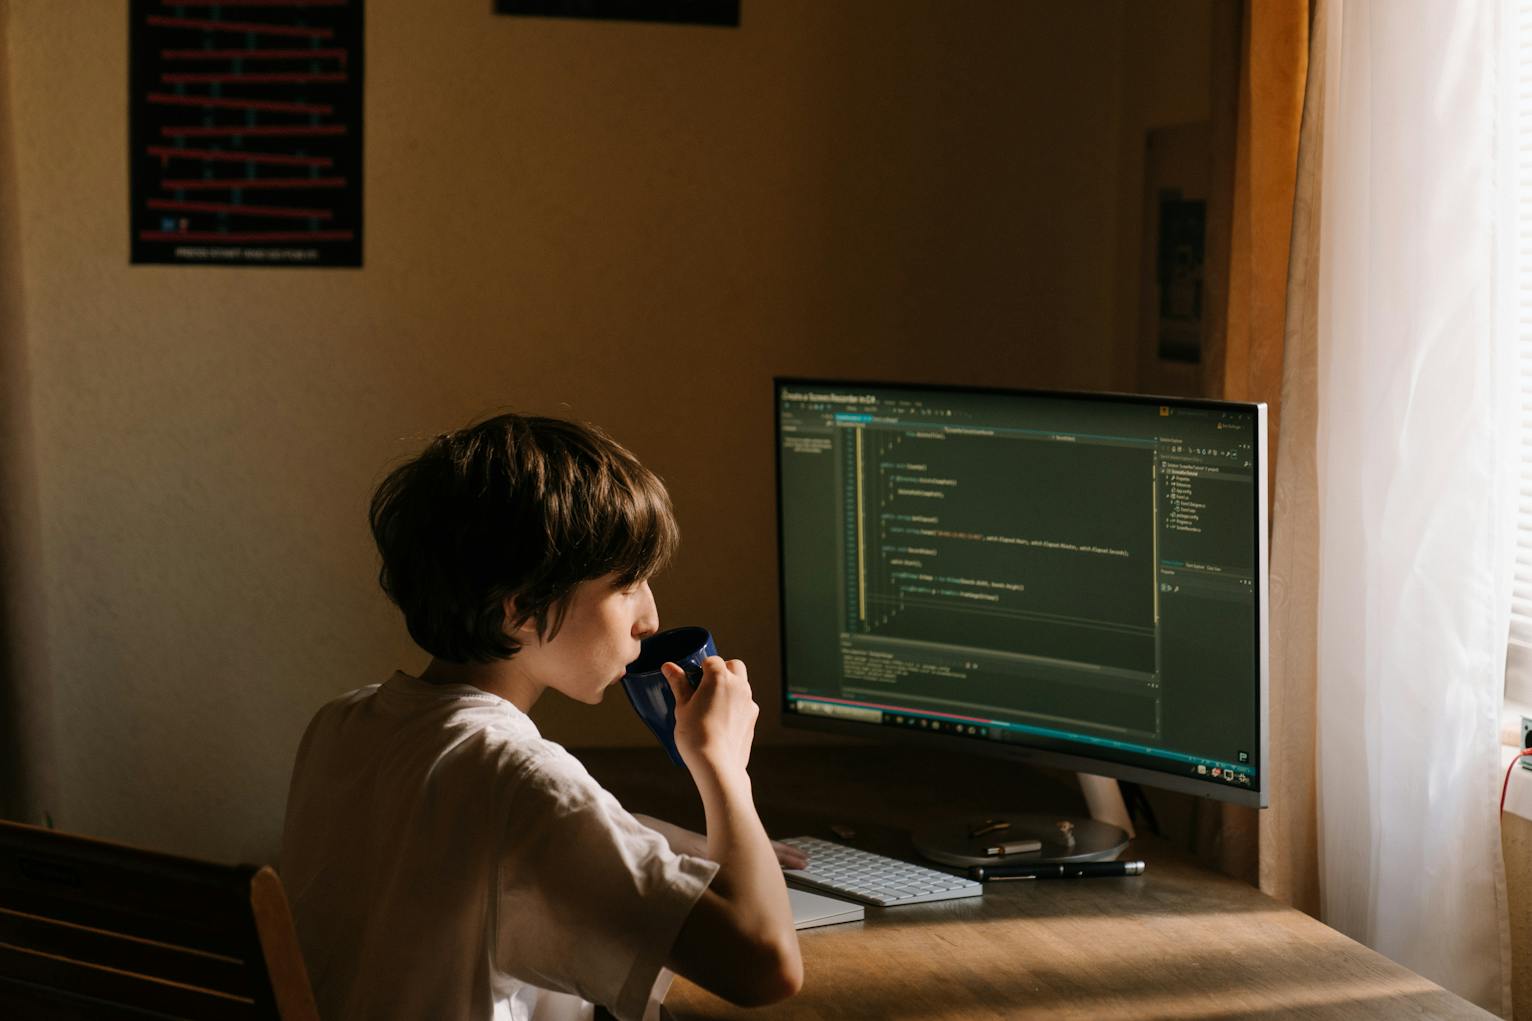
1178 942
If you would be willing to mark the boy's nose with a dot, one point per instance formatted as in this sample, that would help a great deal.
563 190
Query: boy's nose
648 621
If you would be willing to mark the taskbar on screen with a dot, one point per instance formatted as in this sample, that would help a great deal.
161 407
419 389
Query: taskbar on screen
1234 774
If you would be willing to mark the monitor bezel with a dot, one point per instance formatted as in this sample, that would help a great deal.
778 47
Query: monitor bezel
1256 796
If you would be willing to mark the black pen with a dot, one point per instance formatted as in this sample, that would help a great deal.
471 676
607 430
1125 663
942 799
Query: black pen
1061 870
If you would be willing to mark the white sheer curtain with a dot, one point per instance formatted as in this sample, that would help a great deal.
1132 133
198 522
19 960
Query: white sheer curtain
1417 457
1516 274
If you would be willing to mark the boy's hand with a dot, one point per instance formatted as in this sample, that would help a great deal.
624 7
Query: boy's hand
789 857
715 722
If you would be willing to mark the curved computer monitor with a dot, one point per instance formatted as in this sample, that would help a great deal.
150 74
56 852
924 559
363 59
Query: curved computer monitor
1073 579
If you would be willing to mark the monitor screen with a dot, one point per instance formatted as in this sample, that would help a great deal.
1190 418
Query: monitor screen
1076 579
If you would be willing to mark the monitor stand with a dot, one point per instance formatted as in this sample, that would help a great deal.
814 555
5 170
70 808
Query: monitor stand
968 841
1040 838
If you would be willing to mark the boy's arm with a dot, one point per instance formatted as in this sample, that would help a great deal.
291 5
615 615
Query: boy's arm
739 940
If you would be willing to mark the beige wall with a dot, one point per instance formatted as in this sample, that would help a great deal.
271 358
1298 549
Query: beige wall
636 225
1170 48
26 776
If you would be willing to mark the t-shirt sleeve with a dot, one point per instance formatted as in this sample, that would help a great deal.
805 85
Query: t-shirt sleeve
589 899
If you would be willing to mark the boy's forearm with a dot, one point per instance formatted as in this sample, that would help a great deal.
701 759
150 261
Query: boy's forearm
749 874
733 826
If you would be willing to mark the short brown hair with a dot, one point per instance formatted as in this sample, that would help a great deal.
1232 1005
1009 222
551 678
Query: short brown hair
516 506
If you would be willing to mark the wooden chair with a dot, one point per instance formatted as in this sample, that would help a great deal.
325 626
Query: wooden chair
91 930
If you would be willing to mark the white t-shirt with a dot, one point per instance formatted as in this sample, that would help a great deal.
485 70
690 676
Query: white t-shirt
443 860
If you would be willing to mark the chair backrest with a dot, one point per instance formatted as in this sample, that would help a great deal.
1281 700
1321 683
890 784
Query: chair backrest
90 929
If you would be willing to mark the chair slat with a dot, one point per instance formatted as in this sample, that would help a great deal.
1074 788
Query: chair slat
126 953
89 986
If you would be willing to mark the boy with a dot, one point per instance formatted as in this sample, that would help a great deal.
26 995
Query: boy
443 860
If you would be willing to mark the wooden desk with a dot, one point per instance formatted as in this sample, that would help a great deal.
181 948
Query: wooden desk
1178 942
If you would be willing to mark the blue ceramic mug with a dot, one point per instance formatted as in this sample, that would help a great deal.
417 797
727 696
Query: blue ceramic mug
647 688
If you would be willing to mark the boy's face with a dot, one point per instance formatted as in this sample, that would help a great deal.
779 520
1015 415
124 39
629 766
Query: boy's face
599 638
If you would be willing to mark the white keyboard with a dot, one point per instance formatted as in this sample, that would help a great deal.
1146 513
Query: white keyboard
873 878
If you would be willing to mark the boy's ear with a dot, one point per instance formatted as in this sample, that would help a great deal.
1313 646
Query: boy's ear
526 631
